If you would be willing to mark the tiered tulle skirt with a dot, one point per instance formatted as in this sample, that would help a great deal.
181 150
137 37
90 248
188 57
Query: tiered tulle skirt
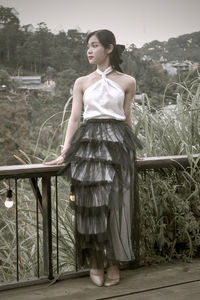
100 164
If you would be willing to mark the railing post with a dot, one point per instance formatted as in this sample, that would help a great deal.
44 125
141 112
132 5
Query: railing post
47 226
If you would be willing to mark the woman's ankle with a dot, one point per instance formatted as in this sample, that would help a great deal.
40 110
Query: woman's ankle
113 272
97 271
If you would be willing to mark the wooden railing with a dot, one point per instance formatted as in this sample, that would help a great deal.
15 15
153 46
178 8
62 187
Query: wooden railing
41 170
43 200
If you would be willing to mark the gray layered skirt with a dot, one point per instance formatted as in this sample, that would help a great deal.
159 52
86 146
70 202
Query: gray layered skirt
101 167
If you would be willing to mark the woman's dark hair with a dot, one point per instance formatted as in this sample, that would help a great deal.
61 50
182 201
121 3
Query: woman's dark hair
106 37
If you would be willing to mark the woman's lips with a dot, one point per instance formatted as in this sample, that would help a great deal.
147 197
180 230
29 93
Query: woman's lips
90 57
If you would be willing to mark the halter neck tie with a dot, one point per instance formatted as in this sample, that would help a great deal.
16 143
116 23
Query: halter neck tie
107 71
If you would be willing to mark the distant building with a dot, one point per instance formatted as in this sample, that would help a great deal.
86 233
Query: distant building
28 28
33 83
162 59
183 66
146 58
173 67
138 98
27 79
195 65
186 65
15 12
170 67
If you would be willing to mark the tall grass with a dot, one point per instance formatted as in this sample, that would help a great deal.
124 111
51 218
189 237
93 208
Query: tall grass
170 199
171 131
28 234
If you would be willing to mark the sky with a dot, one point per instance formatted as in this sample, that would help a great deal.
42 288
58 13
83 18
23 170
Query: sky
132 22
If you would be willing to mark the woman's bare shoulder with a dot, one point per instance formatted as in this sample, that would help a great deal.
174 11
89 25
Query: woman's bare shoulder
80 81
128 81
127 77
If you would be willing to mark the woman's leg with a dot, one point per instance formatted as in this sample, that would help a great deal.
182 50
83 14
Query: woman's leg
113 274
97 267
96 259
113 270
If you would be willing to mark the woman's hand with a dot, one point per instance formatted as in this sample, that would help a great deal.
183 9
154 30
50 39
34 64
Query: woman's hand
58 161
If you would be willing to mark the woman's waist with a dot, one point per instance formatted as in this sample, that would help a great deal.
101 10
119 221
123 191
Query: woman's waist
102 112
103 120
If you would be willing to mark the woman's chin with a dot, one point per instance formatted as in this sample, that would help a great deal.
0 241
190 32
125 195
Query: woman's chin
92 62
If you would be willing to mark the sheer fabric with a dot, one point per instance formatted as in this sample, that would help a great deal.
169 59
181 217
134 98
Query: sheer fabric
101 166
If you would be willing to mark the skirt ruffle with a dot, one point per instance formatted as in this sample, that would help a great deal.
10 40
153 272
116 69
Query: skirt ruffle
100 164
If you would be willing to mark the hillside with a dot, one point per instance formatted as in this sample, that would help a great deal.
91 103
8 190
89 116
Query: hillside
22 116
183 47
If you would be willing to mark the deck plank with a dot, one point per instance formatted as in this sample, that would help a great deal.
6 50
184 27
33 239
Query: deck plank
175 281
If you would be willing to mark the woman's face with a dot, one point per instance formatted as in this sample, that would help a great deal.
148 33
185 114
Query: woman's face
96 52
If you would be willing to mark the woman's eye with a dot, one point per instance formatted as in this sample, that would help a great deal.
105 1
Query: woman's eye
93 46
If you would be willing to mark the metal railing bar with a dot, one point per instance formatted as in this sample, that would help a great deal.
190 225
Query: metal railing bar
57 237
17 233
75 244
36 191
38 237
47 226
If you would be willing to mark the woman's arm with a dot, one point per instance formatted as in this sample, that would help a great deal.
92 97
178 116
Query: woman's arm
74 120
130 92
128 103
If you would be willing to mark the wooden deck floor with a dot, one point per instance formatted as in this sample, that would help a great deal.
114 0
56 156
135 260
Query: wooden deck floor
177 281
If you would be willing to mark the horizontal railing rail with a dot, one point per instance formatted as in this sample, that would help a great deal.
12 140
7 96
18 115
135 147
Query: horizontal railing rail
41 170
44 205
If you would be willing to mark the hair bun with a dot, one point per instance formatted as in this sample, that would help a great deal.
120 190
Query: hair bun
120 49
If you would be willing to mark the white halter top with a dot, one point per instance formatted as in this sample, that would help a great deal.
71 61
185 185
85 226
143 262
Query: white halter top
104 99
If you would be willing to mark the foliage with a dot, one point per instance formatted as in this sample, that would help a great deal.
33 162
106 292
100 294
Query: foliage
21 115
184 47
65 81
4 77
7 17
170 215
171 130
170 199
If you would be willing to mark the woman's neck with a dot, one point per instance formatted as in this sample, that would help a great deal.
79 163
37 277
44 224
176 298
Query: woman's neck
103 67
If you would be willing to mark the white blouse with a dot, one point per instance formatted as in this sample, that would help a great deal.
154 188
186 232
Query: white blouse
104 99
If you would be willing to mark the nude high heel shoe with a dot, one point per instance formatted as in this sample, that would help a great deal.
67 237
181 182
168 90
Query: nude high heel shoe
111 281
98 280
114 279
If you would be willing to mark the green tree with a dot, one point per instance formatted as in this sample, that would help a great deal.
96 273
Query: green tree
4 77
7 17
155 79
44 38
65 81
10 35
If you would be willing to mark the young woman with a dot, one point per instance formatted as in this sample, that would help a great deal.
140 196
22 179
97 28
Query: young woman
99 160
